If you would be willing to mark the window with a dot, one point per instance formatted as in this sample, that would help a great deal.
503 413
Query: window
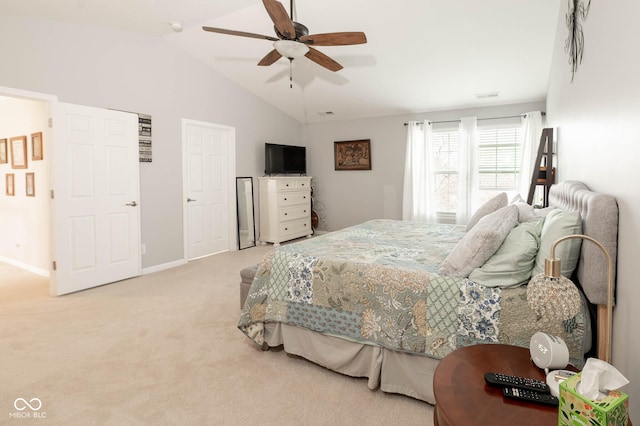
499 153
446 144
499 156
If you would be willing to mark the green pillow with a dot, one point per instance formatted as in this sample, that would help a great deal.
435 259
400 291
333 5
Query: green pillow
558 224
512 264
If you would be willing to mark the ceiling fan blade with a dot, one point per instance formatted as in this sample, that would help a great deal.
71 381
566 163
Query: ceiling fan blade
335 39
280 18
323 60
238 33
270 58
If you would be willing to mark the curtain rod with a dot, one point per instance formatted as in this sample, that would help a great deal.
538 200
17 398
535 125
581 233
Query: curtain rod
487 118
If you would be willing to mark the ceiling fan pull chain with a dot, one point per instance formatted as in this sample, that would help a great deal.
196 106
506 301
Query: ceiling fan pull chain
290 73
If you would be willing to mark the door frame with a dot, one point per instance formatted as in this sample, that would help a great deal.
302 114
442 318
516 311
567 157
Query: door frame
231 181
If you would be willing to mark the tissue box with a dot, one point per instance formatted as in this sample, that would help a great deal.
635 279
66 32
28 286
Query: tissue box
574 409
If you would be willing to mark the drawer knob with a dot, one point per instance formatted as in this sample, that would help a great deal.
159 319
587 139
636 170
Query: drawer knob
286 214
286 229
285 199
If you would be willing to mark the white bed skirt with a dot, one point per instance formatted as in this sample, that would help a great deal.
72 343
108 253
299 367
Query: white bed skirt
391 371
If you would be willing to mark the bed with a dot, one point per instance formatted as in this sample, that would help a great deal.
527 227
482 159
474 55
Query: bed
386 300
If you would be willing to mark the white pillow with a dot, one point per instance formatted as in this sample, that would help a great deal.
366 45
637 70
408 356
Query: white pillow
512 264
490 206
558 224
480 243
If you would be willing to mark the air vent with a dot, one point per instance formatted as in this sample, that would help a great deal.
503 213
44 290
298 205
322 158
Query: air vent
487 95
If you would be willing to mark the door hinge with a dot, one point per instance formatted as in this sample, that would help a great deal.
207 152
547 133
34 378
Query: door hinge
52 195
50 122
55 266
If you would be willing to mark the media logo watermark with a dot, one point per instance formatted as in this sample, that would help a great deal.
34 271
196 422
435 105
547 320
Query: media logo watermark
31 409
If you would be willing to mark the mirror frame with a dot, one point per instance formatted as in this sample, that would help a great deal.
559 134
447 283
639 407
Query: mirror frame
251 224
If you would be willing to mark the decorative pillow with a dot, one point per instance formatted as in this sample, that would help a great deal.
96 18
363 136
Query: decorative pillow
480 243
512 264
490 206
558 224
526 212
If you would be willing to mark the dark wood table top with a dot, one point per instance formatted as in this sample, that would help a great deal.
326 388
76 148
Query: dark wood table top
463 397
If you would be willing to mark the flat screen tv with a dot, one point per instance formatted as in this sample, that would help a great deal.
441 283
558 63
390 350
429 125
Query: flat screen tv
284 159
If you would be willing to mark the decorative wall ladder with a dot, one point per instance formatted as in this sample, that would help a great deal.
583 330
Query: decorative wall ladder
544 174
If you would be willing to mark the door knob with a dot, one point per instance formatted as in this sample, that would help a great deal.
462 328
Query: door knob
132 204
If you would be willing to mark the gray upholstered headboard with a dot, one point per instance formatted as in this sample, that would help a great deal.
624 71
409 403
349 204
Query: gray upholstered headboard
599 214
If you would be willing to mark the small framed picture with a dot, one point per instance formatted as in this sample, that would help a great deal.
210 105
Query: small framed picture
352 155
36 146
19 152
4 158
10 184
30 184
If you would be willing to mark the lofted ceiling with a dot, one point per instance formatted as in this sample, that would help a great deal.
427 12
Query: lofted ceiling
420 55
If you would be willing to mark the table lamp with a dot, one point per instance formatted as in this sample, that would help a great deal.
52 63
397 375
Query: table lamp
556 298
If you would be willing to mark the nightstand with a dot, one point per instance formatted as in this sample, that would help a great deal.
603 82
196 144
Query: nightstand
463 397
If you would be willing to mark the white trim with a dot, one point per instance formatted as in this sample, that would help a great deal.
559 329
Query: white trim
25 94
164 266
28 268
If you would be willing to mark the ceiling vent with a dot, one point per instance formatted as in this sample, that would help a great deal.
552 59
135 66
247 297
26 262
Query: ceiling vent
487 95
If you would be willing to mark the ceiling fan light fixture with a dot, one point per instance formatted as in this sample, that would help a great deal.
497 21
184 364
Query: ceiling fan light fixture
291 49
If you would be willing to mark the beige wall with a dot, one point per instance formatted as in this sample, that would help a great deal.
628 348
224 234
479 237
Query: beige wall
599 143
24 221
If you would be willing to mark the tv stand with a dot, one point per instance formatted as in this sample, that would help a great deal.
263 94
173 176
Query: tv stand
285 208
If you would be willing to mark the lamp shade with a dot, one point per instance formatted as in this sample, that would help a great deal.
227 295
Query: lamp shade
291 49
553 299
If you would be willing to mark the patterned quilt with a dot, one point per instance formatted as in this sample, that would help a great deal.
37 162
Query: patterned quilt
376 283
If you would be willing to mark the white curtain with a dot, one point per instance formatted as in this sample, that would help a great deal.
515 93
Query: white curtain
467 171
531 131
418 199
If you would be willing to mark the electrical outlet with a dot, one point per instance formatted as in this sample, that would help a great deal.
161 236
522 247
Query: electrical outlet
143 248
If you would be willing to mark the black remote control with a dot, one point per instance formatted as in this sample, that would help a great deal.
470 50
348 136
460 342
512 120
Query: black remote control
504 380
530 396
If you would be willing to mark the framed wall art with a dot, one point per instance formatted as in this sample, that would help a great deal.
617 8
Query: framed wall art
36 146
352 155
19 152
4 157
10 184
30 183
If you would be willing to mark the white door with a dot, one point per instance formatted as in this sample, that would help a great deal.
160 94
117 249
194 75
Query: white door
96 216
209 167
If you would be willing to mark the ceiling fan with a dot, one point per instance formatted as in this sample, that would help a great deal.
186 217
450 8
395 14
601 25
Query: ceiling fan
293 39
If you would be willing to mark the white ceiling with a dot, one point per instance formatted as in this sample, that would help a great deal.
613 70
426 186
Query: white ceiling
421 55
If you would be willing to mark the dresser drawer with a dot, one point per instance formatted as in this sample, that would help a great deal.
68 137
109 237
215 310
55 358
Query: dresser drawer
293 184
296 227
293 198
295 212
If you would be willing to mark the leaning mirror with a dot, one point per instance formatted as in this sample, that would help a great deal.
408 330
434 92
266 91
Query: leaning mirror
246 224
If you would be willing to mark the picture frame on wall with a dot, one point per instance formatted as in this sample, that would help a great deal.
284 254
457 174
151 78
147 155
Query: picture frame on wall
30 184
10 184
36 146
19 152
352 155
4 156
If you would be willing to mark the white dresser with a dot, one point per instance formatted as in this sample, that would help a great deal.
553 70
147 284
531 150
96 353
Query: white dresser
285 208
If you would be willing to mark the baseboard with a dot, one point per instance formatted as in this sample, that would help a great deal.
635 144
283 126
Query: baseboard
164 266
29 268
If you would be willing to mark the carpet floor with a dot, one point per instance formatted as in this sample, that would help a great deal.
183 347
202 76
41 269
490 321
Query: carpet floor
164 349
